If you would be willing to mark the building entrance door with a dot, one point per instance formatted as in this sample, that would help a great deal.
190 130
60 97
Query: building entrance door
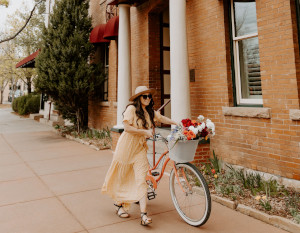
165 61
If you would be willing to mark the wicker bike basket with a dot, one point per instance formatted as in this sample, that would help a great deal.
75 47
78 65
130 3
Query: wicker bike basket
184 151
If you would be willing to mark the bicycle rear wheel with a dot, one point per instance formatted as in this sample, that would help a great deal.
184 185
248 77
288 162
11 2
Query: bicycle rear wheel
191 197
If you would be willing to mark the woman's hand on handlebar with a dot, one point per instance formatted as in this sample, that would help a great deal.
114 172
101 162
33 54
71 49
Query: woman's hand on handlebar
148 133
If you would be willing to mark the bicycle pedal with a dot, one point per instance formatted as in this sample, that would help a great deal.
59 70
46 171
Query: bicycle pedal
155 173
151 195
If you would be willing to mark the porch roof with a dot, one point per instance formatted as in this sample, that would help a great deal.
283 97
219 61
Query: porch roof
28 62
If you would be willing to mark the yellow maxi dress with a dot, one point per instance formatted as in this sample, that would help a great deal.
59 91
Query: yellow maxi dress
125 181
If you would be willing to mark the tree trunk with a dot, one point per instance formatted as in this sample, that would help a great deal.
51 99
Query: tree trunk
29 84
82 119
1 100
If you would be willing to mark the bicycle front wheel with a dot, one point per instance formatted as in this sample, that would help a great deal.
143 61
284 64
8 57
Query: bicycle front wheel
190 194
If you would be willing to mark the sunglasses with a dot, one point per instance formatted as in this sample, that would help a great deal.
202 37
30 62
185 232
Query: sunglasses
147 96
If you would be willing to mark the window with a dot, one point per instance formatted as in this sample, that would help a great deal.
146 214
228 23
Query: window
246 53
104 86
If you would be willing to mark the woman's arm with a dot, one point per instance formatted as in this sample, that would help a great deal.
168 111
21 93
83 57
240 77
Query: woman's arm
130 129
166 120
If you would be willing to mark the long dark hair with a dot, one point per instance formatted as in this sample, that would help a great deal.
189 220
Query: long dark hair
140 112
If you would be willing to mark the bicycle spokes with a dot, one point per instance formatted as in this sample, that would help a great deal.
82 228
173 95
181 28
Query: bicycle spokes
190 194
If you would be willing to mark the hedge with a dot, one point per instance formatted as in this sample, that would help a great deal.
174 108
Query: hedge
26 104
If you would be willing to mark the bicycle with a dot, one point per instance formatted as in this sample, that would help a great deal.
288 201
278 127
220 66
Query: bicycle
188 187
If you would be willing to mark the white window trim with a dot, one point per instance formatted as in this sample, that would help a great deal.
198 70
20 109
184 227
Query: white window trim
236 40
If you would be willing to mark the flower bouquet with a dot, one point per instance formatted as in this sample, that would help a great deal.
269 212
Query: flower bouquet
184 138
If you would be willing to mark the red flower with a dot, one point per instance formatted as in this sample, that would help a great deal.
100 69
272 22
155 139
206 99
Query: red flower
213 171
204 132
186 122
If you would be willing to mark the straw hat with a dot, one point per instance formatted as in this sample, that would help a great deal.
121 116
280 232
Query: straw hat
141 90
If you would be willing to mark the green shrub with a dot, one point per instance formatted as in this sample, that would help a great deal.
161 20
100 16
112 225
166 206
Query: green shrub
26 104
21 104
32 105
15 104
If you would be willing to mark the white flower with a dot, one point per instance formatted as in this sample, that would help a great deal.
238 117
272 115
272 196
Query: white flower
195 130
201 118
210 125
169 137
203 125
199 127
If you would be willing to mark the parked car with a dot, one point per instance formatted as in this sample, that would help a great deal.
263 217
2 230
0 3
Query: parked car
17 94
10 96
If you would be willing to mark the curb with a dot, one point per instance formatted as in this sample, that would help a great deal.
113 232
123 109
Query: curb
223 201
276 221
82 142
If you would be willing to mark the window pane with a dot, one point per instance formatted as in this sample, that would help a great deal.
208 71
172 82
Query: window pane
166 36
250 69
106 55
167 109
166 16
166 57
167 84
245 17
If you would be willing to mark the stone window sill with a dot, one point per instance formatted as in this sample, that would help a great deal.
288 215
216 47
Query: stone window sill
295 114
104 103
247 112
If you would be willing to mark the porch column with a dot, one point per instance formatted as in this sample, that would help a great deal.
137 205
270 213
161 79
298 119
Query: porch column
180 89
124 62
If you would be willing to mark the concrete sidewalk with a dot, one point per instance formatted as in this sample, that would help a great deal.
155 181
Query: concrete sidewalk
49 184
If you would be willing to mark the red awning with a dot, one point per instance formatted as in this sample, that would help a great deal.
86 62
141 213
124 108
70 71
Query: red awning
28 62
132 2
111 31
96 35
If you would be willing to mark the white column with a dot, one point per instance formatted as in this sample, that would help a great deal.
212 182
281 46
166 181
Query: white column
124 62
180 89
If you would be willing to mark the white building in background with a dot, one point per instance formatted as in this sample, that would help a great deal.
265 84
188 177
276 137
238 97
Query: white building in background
49 9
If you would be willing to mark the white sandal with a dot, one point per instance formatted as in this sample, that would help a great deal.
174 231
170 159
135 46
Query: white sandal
146 221
121 215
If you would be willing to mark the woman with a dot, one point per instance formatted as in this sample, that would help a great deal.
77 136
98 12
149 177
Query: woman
125 181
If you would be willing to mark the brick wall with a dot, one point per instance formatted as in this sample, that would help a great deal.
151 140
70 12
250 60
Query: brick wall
268 145
202 154
104 114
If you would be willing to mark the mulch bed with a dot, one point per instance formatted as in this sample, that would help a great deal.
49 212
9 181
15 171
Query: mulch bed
277 201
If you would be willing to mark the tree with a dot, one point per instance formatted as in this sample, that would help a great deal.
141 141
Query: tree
4 3
28 41
62 65
3 80
27 20
8 72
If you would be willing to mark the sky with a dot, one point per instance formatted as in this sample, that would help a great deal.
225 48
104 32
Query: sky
13 6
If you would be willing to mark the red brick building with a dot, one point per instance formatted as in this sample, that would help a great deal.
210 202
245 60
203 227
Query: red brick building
239 59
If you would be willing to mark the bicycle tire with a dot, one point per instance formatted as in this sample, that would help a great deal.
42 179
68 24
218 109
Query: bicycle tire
196 211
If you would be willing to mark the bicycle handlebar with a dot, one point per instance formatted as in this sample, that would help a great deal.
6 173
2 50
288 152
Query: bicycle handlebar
157 137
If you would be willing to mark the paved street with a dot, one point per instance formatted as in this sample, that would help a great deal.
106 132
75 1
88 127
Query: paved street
49 184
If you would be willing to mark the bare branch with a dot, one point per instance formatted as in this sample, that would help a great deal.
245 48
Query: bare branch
22 28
